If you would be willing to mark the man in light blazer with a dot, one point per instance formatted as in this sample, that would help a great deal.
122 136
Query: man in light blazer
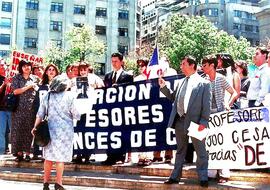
195 107
114 78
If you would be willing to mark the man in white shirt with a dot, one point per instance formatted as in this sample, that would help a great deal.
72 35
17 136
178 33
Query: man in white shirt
260 83
191 102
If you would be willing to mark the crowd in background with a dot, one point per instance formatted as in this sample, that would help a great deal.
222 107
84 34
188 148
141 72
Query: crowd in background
232 88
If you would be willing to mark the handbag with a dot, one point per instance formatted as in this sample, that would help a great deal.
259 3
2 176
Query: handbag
11 102
42 133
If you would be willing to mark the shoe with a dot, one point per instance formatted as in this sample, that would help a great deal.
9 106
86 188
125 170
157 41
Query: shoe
108 163
168 160
78 160
35 157
19 158
86 159
27 158
155 159
46 186
58 187
140 162
204 184
223 180
171 181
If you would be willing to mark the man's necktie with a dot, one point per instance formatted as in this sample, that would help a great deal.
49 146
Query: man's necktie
114 78
181 98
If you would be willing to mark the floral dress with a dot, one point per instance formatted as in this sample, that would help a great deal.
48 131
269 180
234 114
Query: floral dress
23 119
61 113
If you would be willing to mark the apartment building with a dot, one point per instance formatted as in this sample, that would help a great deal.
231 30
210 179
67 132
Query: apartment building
237 17
40 21
264 19
7 27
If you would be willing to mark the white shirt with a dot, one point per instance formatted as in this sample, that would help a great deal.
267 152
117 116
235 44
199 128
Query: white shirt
259 84
140 78
192 83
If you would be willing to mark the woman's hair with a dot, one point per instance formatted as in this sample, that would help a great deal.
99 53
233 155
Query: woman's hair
226 58
21 64
142 62
243 65
59 84
45 77
211 59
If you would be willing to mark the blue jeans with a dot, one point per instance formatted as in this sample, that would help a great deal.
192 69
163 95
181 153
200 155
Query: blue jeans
5 123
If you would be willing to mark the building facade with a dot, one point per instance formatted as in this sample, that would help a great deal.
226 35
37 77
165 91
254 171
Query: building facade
237 17
41 21
264 19
7 26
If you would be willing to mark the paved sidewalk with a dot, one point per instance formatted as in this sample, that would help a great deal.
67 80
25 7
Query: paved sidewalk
15 185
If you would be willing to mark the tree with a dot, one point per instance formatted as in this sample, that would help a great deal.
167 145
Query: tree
144 52
83 45
198 37
55 54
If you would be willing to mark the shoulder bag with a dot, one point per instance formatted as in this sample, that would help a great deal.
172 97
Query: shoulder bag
42 133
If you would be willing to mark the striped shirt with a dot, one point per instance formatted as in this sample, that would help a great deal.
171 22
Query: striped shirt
219 86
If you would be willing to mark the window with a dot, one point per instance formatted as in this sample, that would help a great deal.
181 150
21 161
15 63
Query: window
5 22
101 30
4 53
30 23
30 42
6 6
79 9
56 7
248 15
257 29
123 1
123 32
56 26
78 25
237 13
236 26
58 43
100 70
248 28
32 4
101 12
209 12
5 39
123 49
123 14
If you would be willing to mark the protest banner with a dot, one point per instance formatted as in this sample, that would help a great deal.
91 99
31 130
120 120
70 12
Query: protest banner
126 118
239 139
17 56
134 117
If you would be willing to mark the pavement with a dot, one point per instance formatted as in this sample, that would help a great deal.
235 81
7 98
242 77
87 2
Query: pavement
15 185
126 176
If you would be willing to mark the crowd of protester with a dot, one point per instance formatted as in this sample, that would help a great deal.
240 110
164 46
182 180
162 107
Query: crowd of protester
233 87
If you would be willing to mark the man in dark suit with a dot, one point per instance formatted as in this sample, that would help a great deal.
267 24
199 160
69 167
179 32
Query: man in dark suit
191 102
118 75
113 78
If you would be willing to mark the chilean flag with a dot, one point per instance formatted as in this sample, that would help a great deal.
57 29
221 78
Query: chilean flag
152 70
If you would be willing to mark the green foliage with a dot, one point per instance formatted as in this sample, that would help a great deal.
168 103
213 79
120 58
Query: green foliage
83 45
198 37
